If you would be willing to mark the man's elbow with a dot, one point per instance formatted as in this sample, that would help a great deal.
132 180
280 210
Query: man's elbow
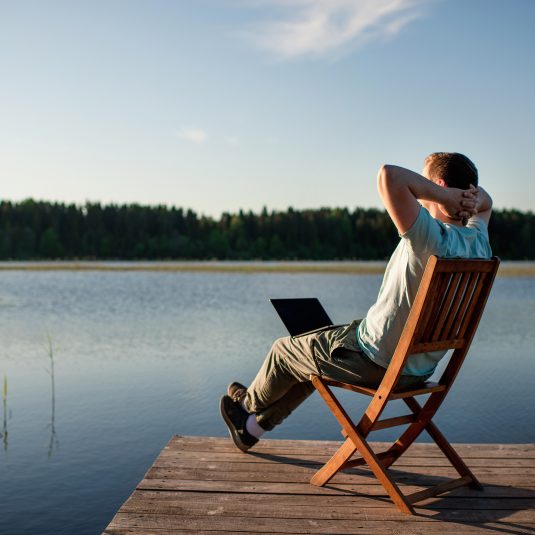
485 202
384 177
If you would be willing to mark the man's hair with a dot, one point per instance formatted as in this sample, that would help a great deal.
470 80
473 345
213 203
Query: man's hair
455 169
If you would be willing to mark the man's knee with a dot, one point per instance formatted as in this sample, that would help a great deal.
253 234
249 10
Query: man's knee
280 346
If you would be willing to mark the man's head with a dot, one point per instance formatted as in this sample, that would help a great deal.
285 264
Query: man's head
450 169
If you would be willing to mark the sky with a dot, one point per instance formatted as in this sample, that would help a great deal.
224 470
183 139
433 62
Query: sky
221 105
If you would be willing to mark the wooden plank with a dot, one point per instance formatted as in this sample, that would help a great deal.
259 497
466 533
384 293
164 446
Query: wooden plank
205 485
145 531
234 471
365 477
143 500
384 528
334 488
290 507
193 458
299 525
289 510
328 447
302 471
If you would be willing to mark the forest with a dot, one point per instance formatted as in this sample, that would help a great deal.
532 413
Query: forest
39 230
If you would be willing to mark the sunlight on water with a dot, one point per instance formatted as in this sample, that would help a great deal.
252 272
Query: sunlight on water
99 369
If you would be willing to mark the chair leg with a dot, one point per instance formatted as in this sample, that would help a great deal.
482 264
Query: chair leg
446 448
403 443
359 442
414 430
333 465
452 455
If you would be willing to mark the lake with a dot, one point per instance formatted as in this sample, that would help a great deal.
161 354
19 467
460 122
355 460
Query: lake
100 369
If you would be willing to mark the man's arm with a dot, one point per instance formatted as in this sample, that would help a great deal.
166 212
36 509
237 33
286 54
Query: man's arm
401 188
484 205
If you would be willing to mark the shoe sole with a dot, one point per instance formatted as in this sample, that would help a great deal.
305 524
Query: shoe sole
231 429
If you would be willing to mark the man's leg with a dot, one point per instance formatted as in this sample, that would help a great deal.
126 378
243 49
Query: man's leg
282 383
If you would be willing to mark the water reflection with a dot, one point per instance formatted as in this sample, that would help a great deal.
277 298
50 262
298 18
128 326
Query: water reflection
4 405
53 442
150 354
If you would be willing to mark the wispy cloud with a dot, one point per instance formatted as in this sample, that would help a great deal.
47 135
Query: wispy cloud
232 140
195 135
326 27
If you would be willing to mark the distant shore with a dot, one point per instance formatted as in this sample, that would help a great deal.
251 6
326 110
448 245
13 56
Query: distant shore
507 268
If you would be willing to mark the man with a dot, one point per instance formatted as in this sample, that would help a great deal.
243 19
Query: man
442 213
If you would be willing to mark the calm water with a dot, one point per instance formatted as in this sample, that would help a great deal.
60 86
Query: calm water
141 356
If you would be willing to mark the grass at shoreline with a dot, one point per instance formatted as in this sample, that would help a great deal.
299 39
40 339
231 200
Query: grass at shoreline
507 269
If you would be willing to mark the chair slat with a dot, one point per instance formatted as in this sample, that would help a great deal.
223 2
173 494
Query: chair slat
393 422
368 391
446 307
467 320
428 388
461 289
439 345
425 388
436 304
467 266
439 489
464 304
425 315
384 455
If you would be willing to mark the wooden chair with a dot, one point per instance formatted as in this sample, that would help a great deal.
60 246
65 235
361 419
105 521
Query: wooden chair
445 315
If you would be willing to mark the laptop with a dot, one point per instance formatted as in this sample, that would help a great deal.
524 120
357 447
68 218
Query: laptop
303 315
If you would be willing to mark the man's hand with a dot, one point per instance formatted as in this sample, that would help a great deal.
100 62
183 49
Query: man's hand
459 204
483 207
400 190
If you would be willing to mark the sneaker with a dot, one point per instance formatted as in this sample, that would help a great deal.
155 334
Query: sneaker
236 418
236 391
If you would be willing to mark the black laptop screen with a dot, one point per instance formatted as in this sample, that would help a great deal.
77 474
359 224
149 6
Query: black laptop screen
301 315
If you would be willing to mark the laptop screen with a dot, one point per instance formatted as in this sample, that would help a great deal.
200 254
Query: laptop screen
301 315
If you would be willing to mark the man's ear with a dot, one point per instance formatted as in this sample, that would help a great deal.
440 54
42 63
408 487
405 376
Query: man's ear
440 182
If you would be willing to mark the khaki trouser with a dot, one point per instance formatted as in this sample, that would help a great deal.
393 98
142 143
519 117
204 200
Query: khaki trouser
283 383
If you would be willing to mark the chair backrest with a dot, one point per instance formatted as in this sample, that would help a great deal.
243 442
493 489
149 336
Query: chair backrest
446 311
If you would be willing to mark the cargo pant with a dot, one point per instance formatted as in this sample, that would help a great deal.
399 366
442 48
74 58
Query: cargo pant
283 381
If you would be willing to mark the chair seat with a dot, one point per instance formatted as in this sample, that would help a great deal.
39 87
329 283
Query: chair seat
399 393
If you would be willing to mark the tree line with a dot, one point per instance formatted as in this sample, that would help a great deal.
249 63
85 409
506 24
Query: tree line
36 230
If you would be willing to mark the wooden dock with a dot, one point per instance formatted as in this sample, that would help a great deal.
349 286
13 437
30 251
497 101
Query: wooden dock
205 485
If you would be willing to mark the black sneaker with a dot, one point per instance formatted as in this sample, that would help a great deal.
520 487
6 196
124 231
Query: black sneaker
235 418
236 391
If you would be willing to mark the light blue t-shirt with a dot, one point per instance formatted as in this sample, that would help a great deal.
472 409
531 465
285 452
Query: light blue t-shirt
380 330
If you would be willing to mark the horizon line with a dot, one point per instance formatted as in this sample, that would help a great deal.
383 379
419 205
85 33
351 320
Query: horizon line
81 204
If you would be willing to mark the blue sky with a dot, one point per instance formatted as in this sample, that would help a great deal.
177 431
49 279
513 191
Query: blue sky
218 105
